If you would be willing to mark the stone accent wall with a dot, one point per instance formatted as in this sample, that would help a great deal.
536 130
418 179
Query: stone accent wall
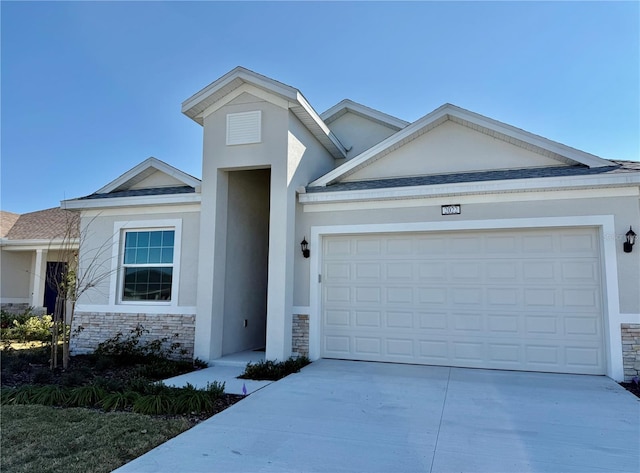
300 335
91 328
630 350
12 308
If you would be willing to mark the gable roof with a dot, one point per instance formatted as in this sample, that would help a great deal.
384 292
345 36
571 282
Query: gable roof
144 170
472 120
346 105
49 224
198 103
183 189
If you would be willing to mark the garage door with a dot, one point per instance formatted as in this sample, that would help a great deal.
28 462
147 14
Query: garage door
518 300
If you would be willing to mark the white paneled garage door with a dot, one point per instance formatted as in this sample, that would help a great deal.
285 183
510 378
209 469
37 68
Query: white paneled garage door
520 300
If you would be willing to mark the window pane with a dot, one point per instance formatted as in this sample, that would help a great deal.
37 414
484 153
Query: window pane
131 239
129 256
167 238
154 256
143 239
142 256
155 239
167 255
147 284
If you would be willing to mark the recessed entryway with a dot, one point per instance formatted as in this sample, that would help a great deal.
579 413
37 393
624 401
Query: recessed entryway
247 256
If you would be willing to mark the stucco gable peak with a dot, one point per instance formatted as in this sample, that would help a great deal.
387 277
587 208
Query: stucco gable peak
347 105
480 123
195 107
145 169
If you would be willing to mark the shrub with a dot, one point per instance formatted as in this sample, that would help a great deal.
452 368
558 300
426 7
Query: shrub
274 370
51 395
153 404
132 349
26 327
119 400
86 396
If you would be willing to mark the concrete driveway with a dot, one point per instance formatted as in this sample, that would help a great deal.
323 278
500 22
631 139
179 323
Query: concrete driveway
343 416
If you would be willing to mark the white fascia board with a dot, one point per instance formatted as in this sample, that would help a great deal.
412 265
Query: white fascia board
272 98
445 110
368 112
480 187
145 200
143 166
339 150
38 244
193 106
576 155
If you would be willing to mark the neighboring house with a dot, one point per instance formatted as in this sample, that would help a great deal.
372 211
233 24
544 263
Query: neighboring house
30 251
454 240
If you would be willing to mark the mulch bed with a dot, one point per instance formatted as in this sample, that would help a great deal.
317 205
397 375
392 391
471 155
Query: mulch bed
82 369
633 388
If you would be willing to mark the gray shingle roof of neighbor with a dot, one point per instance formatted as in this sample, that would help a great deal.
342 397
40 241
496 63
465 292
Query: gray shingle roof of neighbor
46 224
508 174
142 192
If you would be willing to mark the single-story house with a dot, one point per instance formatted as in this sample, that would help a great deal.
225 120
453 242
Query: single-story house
32 246
454 240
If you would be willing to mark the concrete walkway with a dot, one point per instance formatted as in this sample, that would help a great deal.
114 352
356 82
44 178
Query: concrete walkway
224 370
341 416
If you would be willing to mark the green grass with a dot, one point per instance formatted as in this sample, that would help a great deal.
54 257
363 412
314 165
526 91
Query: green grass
47 439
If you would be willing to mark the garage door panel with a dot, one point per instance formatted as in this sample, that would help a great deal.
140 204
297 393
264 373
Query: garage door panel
400 320
504 323
337 294
466 296
367 346
502 271
432 271
582 326
400 347
368 294
368 318
367 247
432 321
506 300
504 297
432 295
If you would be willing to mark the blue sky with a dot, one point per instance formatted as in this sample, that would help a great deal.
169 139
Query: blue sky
91 89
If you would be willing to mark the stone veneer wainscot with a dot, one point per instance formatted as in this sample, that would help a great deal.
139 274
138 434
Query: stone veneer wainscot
91 328
300 335
630 350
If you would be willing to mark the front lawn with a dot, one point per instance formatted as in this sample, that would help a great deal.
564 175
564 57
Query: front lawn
106 409
48 439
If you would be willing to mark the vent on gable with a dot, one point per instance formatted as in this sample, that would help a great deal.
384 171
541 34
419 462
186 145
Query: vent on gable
244 128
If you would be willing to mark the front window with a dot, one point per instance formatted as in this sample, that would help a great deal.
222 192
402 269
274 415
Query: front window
148 265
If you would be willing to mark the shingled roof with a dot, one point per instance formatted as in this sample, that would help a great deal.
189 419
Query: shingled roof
46 224
500 175
141 192
7 220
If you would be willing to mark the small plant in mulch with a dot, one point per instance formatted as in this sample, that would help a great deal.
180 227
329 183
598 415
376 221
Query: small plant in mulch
269 370
122 375
140 396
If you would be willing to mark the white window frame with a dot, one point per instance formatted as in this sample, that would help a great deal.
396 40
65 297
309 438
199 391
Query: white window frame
117 280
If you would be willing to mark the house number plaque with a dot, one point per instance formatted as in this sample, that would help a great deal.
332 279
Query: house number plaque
453 209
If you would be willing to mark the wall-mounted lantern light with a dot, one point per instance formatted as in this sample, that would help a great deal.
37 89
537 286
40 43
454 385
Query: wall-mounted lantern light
631 239
305 247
